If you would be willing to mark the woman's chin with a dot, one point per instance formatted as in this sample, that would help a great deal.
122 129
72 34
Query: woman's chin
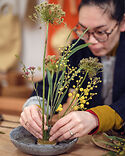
98 52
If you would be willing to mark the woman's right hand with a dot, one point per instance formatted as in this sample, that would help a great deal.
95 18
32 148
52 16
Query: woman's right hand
31 119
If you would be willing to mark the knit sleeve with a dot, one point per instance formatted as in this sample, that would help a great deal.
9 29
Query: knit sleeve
108 118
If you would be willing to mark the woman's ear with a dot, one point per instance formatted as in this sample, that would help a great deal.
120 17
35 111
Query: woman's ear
122 24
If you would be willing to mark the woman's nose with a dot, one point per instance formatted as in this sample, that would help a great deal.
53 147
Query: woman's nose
92 39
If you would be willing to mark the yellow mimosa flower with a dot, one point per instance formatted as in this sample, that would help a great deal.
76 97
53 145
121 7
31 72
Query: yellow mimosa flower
70 94
81 89
59 109
77 95
74 86
82 106
87 103
75 108
82 98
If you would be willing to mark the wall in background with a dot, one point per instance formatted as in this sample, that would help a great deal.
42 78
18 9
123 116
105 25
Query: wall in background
32 37
57 38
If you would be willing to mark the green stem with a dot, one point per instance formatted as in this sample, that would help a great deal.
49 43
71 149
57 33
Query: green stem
49 97
83 80
79 38
69 106
36 93
55 90
73 105
48 106
43 111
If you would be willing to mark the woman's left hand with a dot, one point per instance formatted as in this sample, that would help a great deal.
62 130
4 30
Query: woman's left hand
73 125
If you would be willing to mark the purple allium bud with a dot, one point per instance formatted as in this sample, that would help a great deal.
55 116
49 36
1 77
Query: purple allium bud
31 68
26 73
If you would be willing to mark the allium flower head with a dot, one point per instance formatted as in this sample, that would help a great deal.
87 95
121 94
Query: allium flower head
92 66
48 13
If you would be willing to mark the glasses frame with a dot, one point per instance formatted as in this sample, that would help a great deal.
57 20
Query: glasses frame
93 33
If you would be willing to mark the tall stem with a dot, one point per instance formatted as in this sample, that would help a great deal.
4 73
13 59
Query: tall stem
46 38
38 98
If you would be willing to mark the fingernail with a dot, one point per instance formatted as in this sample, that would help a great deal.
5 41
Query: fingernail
51 133
50 139
46 128
40 136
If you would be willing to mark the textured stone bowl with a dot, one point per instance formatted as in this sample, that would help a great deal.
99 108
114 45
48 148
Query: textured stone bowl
26 142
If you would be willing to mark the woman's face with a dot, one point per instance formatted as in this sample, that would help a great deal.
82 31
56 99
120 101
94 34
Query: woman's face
93 17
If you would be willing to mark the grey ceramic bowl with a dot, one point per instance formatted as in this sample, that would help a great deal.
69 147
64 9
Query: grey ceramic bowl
26 142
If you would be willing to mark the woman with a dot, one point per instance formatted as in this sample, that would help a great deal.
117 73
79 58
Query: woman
106 22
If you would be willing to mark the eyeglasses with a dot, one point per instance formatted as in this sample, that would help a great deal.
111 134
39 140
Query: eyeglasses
100 36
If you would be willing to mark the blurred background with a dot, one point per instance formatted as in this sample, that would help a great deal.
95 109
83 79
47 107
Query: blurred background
20 36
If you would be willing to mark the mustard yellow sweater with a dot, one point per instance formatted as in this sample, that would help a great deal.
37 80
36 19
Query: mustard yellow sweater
108 118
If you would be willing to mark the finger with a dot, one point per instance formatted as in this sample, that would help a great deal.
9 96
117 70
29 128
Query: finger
30 129
60 123
68 135
74 136
62 132
75 131
23 118
80 131
33 131
22 121
30 120
35 114
77 135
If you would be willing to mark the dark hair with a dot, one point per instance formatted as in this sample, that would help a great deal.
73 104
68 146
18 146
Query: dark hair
116 8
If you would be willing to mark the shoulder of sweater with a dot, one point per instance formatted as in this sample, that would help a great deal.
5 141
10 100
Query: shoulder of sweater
120 50
122 38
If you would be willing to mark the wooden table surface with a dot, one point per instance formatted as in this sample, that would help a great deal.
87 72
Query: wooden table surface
84 146
11 105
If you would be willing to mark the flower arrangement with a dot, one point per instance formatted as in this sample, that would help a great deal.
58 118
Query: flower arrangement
115 144
59 72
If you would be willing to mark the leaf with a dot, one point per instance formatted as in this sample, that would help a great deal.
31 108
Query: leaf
78 48
60 82
69 35
49 80
79 38
36 85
